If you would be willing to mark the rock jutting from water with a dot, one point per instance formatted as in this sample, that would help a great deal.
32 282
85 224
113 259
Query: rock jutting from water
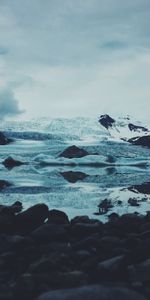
44 255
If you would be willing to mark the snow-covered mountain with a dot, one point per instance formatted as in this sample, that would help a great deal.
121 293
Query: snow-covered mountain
123 127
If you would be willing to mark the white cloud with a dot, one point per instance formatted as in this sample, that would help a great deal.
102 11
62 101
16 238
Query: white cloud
66 57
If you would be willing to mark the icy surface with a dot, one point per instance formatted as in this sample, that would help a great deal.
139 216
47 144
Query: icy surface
112 166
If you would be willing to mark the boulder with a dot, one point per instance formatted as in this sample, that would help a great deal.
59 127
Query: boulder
4 140
57 217
4 184
141 141
32 218
106 121
74 152
73 177
143 188
140 272
11 209
93 292
50 233
10 163
112 268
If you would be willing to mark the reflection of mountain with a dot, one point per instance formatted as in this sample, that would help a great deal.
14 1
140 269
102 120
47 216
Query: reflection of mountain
73 177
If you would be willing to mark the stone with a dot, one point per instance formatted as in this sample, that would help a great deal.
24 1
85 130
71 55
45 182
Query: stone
140 272
93 292
141 141
57 217
74 152
4 140
32 218
106 121
10 163
49 233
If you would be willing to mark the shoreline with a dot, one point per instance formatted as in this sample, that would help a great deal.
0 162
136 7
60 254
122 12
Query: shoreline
41 250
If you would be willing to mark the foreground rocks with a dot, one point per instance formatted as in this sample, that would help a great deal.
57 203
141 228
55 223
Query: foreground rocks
44 255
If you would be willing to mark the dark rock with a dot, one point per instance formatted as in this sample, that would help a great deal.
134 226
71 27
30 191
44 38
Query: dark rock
49 233
93 292
81 229
112 268
104 206
106 121
4 184
4 140
143 188
57 217
12 209
141 141
133 202
80 219
32 217
74 152
140 272
10 163
73 177
133 127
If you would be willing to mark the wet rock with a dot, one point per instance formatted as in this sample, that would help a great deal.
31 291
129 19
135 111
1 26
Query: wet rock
32 217
57 217
74 152
104 206
143 188
73 177
80 219
4 184
84 229
141 141
93 292
133 202
49 233
140 272
11 209
106 121
10 163
113 268
4 140
133 127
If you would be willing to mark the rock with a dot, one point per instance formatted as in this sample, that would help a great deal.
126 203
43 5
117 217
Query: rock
113 268
12 209
49 233
32 218
81 229
80 219
143 188
4 184
141 141
57 217
10 163
4 140
73 177
104 206
93 292
133 202
106 121
74 152
140 272
133 127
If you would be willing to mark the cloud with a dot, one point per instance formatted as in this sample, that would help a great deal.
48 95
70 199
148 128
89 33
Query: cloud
67 57
8 104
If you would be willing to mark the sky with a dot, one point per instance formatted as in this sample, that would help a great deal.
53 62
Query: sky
68 58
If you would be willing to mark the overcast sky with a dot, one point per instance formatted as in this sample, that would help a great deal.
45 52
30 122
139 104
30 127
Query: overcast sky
64 58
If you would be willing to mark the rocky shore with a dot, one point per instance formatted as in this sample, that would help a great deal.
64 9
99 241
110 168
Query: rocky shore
45 256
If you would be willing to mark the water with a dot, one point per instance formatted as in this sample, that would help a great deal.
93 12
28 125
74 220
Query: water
76 186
